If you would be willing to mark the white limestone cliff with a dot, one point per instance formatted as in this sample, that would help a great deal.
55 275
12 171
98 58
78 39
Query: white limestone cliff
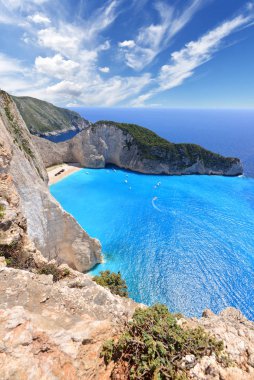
54 232
103 143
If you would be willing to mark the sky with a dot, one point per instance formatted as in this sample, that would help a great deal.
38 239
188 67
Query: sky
129 53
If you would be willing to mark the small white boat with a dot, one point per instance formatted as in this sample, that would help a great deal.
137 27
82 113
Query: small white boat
126 181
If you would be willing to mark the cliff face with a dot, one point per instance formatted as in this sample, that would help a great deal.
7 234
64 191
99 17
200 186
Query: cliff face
53 231
137 149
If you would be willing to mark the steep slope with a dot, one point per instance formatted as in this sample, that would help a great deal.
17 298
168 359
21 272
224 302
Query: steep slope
135 148
53 231
44 118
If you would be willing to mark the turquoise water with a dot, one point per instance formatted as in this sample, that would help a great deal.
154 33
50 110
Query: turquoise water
184 241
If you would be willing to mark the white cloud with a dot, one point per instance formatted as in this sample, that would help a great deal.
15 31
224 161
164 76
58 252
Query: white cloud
105 46
101 19
10 65
127 44
56 66
153 39
113 90
96 90
104 69
66 39
16 4
66 89
196 53
38 18
69 39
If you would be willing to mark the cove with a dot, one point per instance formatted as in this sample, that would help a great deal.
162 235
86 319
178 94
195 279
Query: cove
184 241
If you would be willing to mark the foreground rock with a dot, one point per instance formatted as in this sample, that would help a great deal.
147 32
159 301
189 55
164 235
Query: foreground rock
55 331
237 333
135 148
54 232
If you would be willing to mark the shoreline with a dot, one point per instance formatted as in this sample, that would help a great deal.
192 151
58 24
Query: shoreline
64 170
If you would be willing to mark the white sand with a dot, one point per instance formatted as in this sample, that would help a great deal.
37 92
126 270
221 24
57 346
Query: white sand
68 169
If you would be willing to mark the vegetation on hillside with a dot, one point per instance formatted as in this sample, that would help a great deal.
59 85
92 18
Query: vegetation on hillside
57 273
112 281
41 117
152 146
155 347
2 208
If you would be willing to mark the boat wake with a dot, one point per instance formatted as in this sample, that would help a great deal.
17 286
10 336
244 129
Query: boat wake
154 205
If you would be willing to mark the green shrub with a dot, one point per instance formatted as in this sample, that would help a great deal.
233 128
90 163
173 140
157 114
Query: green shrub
10 262
113 281
55 271
154 345
1 211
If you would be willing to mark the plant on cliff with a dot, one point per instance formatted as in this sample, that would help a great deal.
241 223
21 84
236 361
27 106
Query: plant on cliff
18 135
15 256
155 347
55 271
1 211
113 281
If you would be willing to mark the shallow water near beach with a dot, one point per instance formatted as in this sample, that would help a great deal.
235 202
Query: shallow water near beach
184 241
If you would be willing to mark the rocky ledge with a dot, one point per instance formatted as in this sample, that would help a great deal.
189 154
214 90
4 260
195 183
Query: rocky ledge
137 149
55 330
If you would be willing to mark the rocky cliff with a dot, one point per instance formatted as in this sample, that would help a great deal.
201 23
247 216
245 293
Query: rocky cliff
135 148
53 231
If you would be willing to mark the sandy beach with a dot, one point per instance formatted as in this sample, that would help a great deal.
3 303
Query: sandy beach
65 169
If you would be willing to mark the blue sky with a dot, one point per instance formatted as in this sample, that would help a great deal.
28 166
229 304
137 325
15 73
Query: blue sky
157 53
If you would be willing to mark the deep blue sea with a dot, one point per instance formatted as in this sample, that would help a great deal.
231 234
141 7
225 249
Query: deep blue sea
184 241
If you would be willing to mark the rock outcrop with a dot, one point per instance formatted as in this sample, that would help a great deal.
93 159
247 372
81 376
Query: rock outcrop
54 232
237 334
135 148
56 330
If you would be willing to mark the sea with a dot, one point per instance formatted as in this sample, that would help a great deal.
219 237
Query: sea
185 241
